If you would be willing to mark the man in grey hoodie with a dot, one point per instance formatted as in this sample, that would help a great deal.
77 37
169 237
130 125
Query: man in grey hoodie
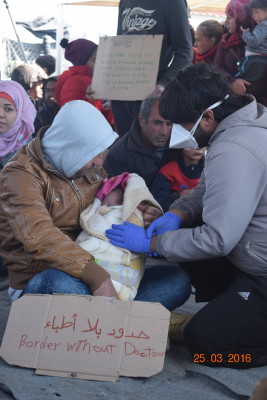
222 243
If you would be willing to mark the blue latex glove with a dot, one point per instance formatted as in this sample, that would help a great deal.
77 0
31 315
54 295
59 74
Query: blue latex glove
168 222
129 236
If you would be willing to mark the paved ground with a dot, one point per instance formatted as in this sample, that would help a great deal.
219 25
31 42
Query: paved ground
180 378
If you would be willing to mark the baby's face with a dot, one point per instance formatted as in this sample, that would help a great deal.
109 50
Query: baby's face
114 198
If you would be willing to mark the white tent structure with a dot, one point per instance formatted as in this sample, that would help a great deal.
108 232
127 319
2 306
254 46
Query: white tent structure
108 3
205 9
207 6
62 7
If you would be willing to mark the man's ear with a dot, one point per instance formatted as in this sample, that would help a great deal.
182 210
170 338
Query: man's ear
141 119
208 120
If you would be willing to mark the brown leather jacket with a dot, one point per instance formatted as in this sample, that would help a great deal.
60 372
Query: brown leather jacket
39 219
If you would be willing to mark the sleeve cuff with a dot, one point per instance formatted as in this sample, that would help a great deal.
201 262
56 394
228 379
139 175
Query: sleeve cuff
93 275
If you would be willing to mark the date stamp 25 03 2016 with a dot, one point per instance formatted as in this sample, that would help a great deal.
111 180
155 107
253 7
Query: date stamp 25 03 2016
218 358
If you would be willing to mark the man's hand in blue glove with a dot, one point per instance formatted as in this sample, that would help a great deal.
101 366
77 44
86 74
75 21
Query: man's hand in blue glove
168 222
129 236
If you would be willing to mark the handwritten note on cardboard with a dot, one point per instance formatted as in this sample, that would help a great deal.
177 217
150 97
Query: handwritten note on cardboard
86 337
126 66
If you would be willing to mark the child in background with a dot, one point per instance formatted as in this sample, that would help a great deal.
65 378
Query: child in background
72 84
231 47
253 66
207 36
178 177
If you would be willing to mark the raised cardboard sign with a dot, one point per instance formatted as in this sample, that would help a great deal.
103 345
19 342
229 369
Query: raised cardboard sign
126 67
86 337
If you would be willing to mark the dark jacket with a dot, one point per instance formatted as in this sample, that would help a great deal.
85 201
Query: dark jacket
39 219
45 116
129 154
160 17
225 63
225 60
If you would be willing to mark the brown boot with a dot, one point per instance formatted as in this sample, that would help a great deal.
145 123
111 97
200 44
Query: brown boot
176 327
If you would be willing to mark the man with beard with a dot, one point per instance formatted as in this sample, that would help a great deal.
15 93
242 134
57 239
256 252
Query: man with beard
144 149
223 221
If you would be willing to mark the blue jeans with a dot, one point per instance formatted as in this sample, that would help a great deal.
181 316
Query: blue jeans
168 285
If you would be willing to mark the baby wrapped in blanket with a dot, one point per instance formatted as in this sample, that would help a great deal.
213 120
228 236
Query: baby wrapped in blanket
116 202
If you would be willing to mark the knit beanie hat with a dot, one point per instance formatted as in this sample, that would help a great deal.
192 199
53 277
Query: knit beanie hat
78 51
241 12
78 133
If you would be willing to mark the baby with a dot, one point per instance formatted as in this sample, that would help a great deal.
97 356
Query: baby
116 202
114 198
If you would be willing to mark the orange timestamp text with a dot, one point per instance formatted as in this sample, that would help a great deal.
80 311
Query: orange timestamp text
221 358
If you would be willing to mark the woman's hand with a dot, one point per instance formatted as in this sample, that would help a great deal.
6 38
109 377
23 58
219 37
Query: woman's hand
106 289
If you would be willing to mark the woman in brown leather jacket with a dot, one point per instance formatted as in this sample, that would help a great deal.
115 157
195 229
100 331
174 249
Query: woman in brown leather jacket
45 188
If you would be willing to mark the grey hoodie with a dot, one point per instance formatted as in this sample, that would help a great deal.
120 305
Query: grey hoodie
231 198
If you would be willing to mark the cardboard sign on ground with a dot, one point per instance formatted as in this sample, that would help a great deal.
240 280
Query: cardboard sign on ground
126 67
86 337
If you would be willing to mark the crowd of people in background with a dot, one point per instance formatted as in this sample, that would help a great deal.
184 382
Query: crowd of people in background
236 49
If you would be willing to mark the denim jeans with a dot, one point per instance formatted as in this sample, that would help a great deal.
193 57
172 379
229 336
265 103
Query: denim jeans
168 285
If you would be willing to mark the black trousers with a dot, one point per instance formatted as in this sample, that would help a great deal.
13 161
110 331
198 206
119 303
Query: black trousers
3 270
231 330
124 113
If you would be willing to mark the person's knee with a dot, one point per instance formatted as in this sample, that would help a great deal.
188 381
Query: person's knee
180 289
49 281
202 338
182 282
204 335
38 283
168 285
